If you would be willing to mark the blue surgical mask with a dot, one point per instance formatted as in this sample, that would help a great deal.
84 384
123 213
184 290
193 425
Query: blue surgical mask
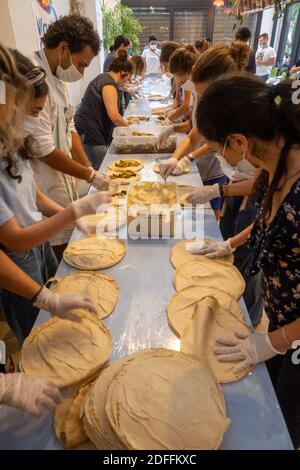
130 52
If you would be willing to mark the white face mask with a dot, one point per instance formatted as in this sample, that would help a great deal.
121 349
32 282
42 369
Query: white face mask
153 47
70 74
188 86
30 124
243 166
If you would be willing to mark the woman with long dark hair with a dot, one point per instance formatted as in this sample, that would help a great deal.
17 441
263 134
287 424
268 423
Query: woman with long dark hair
244 119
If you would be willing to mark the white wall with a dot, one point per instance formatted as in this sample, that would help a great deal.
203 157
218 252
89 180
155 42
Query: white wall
111 3
267 21
18 30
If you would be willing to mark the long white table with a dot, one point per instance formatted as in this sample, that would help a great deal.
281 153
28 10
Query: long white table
139 321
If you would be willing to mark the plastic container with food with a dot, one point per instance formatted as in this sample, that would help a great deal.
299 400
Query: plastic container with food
141 140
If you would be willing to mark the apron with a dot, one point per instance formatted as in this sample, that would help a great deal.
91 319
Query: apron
57 186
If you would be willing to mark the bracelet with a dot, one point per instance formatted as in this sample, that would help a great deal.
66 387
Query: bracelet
285 337
36 295
221 190
92 177
190 157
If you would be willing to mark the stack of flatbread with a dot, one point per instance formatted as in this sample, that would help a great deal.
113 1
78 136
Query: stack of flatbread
181 407
93 253
67 421
100 288
66 352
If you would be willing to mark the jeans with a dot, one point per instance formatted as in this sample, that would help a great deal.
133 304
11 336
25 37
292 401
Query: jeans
96 153
285 377
40 264
233 222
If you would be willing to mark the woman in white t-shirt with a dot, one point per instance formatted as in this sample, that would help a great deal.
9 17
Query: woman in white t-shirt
23 234
151 57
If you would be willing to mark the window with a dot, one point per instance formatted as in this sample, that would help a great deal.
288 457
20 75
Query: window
190 25
288 39
154 21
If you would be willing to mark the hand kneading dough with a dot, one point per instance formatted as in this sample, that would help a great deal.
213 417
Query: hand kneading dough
211 273
180 255
180 407
209 322
184 191
100 288
66 352
67 423
94 253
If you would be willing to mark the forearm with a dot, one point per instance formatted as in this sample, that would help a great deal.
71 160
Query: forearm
77 152
20 239
292 333
119 121
241 237
59 161
187 145
183 108
15 280
183 127
45 205
240 188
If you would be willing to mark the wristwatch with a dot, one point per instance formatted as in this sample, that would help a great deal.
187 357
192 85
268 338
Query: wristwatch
224 190
191 157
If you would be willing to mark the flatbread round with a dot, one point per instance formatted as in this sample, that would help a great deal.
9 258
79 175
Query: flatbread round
100 288
124 177
211 273
180 255
95 419
152 192
181 407
186 170
209 322
67 422
66 352
110 221
95 253
183 304
131 164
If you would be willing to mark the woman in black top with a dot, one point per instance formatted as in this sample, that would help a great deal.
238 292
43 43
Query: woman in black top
98 113
243 118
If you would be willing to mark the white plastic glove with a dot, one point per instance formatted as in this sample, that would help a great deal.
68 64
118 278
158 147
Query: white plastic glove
169 113
101 181
204 194
61 305
211 249
132 90
182 165
166 99
164 135
29 393
166 167
89 204
246 350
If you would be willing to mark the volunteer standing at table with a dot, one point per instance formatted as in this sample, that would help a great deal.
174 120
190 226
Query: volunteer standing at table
99 113
70 44
152 57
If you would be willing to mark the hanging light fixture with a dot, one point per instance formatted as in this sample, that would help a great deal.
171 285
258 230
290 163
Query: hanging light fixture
218 3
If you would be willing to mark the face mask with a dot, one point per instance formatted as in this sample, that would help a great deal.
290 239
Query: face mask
70 74
153 47
243 166
30 123
188 86
129 52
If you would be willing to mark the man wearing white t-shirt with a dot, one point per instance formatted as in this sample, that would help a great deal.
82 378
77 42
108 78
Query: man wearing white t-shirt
151 57
265 57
